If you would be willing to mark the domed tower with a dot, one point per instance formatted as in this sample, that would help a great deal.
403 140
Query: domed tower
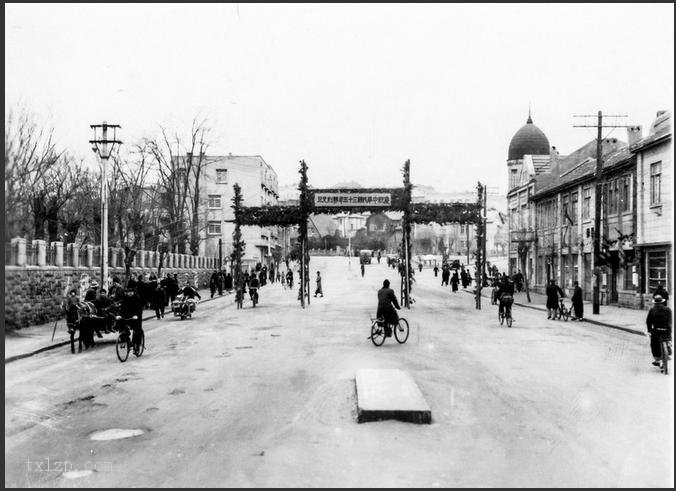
529 151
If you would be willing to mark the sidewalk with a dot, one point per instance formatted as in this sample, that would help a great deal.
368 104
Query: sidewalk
630 320
32 340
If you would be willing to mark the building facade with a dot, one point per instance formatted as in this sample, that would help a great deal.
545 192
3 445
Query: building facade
551 211
258 182
655 226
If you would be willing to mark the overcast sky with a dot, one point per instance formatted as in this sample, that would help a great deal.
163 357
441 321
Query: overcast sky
353 90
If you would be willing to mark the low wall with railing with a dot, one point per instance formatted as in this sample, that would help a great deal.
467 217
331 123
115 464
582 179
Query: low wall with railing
38 275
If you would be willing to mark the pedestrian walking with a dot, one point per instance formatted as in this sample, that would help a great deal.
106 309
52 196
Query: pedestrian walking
454 281
578 306
553 294
228 282
213 283
362 270
659 327
445 275
159 300
436 270
420 266
318 280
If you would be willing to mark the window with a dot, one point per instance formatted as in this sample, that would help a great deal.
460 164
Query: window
625 197
612 197
586 203
629 276
657 269
214 228
573 207
656 183
513 178
222 176
214 201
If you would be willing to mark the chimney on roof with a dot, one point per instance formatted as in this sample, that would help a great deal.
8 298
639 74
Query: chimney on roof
634 134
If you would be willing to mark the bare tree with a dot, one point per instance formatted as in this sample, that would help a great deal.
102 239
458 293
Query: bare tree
31 161
180 164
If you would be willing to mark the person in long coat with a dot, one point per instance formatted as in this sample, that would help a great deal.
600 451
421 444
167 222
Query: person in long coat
578 306
553 293
454 281
463 277
445 275
387 303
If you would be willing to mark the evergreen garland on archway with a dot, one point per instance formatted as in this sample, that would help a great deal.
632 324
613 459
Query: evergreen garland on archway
238 245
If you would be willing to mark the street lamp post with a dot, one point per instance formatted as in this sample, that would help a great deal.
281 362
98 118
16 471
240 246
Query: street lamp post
103 146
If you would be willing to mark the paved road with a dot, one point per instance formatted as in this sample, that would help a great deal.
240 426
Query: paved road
265 397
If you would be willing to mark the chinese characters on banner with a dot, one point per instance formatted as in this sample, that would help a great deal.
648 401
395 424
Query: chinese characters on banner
353 199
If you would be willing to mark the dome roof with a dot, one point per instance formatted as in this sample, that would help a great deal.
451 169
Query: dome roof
529 140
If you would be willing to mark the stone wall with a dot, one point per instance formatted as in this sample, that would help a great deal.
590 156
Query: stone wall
33 294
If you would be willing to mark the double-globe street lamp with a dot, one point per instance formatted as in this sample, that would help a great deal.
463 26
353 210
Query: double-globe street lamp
103 147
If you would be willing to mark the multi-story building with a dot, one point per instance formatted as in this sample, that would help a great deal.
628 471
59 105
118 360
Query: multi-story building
655 226
258 182
530 171
551 216
564 214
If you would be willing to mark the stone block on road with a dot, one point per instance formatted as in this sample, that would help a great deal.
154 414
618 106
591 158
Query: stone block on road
390 394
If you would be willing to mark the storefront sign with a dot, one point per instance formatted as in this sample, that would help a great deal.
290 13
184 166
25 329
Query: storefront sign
352 199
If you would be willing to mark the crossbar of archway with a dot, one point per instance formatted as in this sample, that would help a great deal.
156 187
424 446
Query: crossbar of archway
333 201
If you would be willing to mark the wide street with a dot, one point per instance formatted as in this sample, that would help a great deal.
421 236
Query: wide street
265 397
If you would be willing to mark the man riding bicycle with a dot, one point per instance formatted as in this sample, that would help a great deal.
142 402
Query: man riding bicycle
505 294
387 303
130 306
659 328
254 284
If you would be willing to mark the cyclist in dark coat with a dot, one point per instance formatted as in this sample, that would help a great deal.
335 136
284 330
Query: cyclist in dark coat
130 306
387 303
659 327
553 292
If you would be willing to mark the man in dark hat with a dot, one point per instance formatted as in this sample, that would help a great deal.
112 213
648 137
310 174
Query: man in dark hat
387 303
659 328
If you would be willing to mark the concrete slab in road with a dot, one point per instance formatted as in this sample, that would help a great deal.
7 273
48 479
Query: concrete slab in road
390 394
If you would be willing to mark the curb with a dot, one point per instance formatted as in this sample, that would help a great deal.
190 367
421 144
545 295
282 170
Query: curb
66 343
590 321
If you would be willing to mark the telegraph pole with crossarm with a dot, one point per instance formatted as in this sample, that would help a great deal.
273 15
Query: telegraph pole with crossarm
597 195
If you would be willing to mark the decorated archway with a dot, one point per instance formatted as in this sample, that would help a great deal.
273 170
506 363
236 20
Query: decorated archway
333 201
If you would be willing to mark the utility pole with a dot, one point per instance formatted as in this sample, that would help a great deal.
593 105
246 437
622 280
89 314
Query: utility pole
598 190
485 236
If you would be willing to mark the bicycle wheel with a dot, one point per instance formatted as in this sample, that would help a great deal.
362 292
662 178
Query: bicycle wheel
122 347
509 317
501 317
566 315
665 357
141 346
401 331
377 334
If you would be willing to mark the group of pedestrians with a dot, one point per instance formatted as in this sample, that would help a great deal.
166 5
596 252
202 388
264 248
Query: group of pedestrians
451 275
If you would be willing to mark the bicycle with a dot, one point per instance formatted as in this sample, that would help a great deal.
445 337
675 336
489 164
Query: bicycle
665 350
379 331
562 311
506 314
124 342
